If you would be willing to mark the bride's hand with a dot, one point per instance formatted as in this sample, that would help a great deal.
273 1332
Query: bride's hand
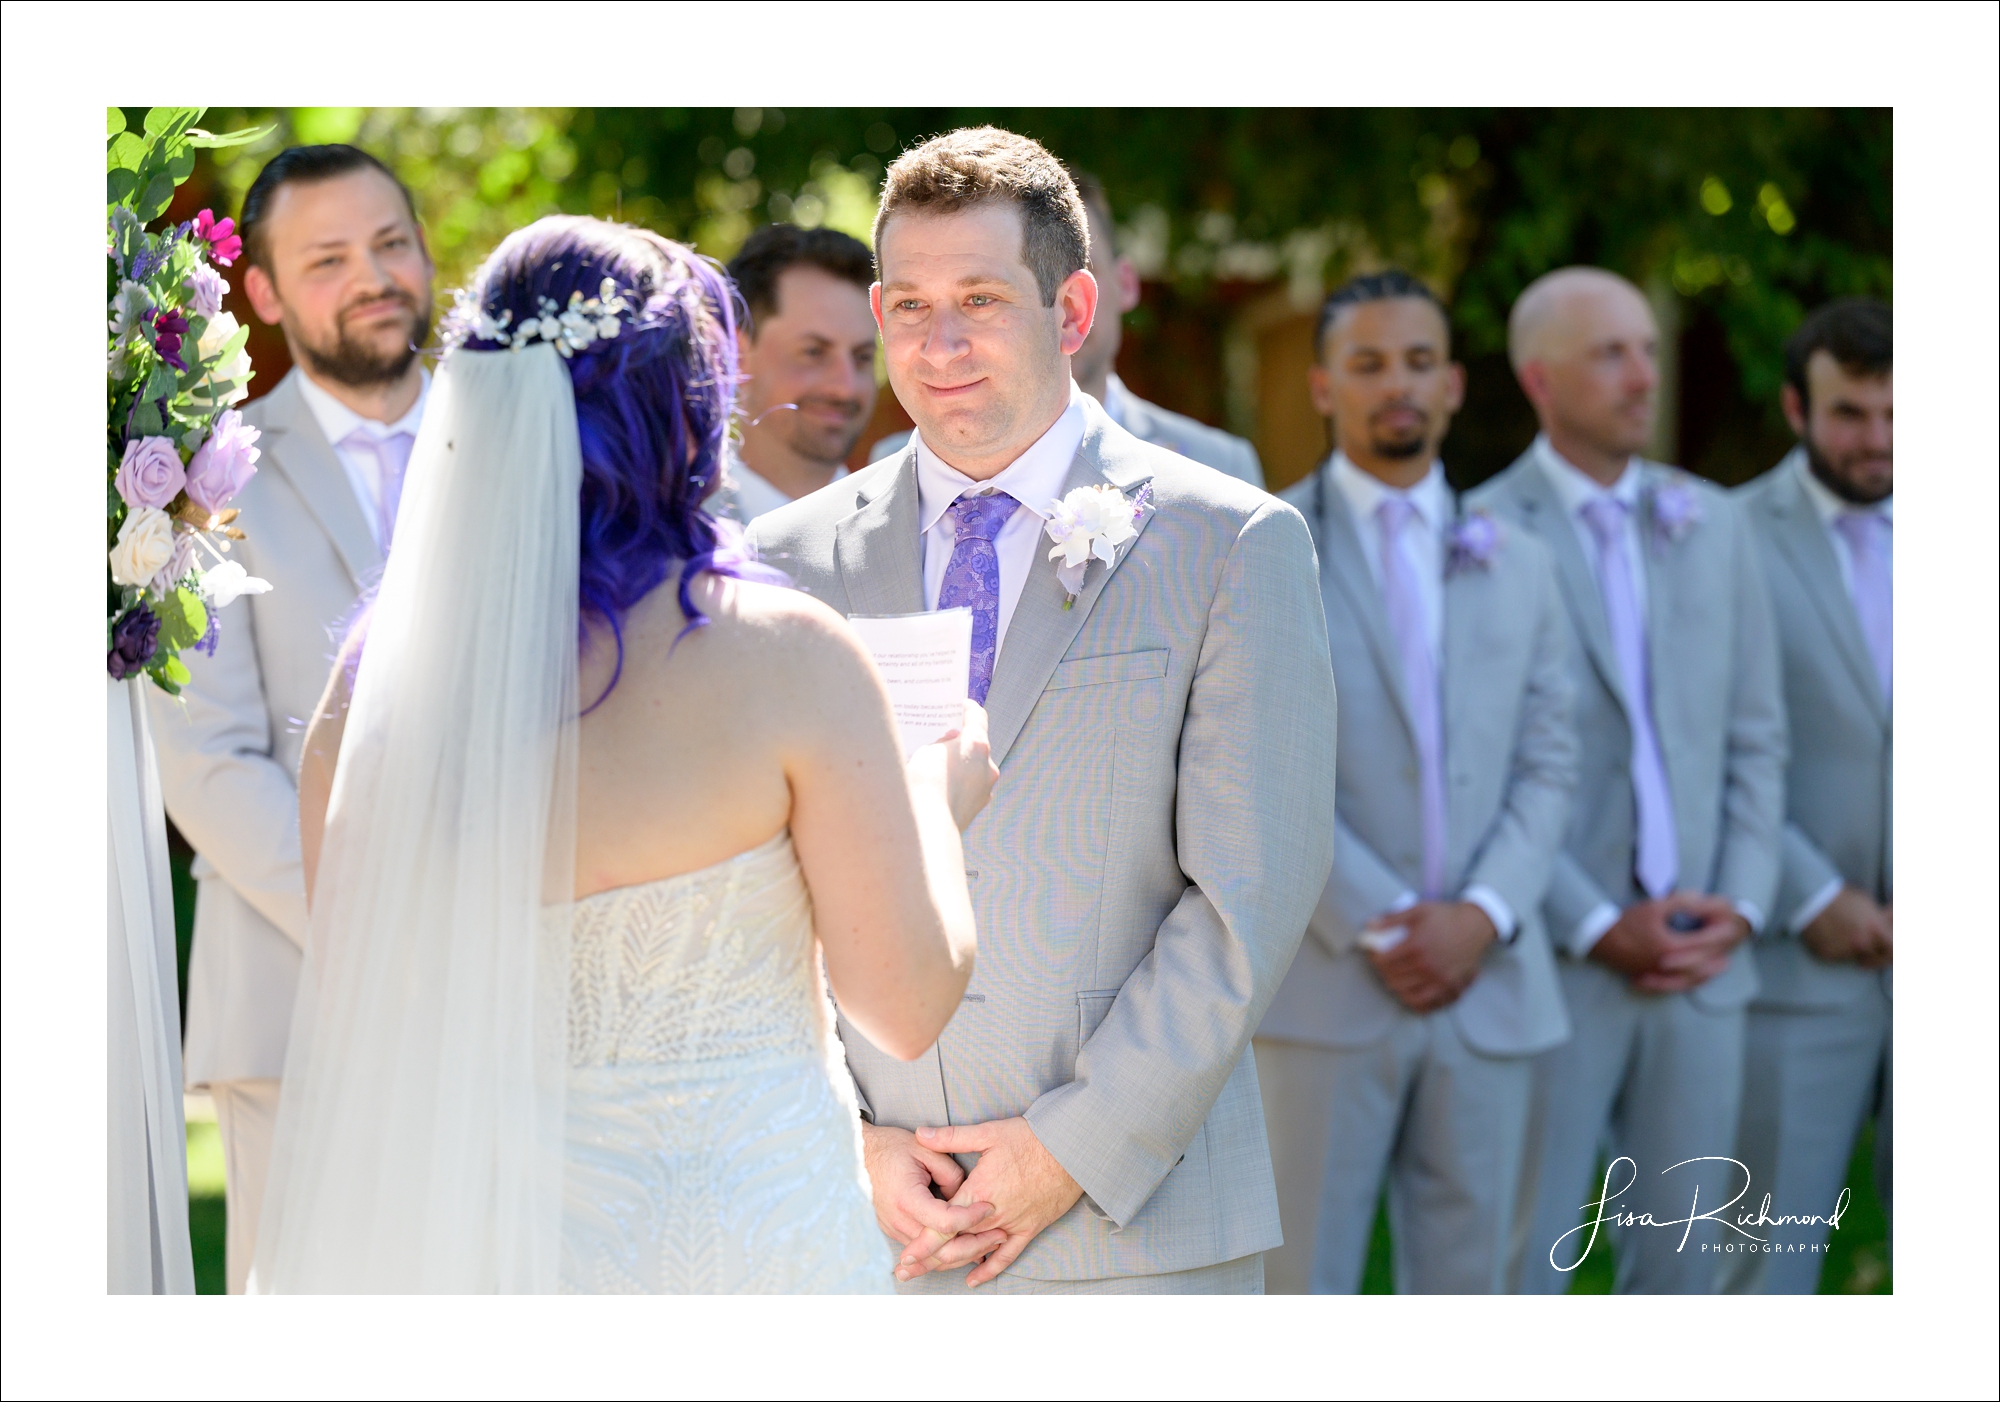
960 765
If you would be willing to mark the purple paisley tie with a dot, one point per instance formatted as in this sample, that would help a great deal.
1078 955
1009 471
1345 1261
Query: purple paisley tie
972 578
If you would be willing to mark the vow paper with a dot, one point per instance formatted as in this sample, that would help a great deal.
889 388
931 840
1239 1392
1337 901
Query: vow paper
926 658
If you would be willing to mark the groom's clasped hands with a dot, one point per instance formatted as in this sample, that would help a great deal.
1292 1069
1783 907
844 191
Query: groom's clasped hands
947 1218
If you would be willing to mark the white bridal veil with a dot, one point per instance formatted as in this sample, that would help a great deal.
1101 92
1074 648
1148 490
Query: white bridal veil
419 1139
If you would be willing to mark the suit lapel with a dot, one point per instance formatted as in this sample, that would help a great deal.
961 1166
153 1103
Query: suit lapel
880 555
295 447
1342 558
1800 536
1542 512
1468 614
1042 629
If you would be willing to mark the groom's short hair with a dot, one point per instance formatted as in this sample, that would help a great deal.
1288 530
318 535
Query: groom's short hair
302 165
981 165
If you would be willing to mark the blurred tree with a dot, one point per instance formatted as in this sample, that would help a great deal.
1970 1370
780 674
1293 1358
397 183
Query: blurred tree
1737 220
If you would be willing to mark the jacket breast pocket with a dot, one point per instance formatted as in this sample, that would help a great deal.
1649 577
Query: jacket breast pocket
1114 667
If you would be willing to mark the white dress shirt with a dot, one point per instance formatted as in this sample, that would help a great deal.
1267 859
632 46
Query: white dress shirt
1830 508
1035 480
364 469
1576 489
1425 552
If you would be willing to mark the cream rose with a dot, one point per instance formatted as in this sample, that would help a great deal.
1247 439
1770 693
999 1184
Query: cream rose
235 369
145 543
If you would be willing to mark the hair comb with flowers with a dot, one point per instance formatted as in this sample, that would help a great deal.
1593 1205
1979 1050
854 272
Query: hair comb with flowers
579 326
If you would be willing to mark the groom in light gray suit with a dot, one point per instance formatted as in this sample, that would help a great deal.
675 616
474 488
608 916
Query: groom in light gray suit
336 257
1399 1044
1671 860
1819 1062
1164 727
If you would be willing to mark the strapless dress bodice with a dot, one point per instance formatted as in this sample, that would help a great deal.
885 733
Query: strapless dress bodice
710 971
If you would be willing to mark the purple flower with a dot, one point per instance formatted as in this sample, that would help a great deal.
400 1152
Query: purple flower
153 256
1470 543
168 328
206 290
223 464
205 644
220 234
132 643
150 473
1676 510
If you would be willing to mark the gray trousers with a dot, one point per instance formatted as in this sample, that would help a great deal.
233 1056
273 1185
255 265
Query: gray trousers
1440 1122
1655 1078
1811 1079
1243 1276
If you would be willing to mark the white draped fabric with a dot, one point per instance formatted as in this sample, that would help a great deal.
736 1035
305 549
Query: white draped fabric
146 1144
419 1143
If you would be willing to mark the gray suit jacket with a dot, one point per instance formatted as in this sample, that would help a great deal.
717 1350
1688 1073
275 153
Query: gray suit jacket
1717 706
1162 827
229 746
1838 810
1511 756
1163 428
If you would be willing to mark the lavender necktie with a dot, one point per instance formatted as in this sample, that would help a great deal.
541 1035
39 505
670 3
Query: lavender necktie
1657 861
392 460
1413 645
972 578
1874 590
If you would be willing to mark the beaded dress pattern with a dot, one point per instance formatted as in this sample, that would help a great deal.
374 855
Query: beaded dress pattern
712 1144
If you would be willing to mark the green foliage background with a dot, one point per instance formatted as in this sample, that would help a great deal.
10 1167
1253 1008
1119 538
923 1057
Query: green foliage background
1756 214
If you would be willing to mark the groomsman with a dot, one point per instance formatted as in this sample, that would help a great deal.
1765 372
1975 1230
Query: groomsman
1118 283
1671 859
1161 715
1399 1044
337 258
808 365
1818 1062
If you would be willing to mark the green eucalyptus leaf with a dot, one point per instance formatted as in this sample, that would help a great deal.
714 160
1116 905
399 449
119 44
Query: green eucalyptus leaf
125 152
146 418
119 185
173 676
170 121
210 141
181 164
162 383
114 121
159 193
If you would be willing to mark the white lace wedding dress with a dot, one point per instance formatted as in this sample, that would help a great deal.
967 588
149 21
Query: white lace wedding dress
712 1144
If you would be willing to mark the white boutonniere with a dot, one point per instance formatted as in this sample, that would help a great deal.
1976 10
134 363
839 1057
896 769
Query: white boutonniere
1091 522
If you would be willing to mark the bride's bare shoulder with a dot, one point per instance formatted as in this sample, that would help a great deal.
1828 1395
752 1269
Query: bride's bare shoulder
782 629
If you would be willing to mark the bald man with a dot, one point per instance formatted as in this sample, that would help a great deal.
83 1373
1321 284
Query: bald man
1671 860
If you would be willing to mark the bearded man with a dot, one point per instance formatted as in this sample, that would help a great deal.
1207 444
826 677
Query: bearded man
337 258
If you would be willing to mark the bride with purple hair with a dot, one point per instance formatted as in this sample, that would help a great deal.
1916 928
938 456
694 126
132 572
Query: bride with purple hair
594 810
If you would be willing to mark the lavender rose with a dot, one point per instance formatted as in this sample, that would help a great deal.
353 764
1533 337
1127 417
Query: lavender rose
132 643
205 289
150 473
224 464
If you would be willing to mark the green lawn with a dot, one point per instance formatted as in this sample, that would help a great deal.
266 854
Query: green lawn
1857 1262
1857 1258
